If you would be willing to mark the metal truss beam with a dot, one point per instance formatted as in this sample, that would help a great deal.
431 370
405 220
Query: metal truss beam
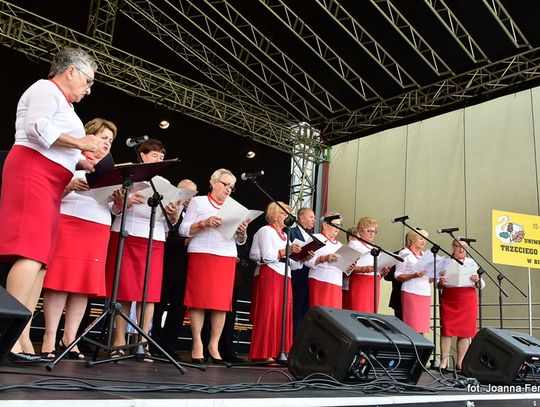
257 53
101 20
183 40
482 81
39 37
456 29
303 171
411 36
348 23
507 24
318 46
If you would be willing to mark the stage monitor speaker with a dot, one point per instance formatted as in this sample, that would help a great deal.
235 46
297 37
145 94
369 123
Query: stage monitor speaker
358 347
500 356
13 319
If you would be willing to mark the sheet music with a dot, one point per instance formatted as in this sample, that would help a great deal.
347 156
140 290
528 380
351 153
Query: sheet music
385 260
232 213
459 275
103 195
346 257
170 193
307 246
426 264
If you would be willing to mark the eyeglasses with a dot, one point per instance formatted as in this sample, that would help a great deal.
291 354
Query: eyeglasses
89 79
372 231
227 186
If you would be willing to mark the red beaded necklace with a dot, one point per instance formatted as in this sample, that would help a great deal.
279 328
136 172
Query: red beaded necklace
334 241
417 255
211 199
280 233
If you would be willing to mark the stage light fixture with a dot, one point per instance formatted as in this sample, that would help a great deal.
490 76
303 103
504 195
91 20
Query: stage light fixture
250 154
164 124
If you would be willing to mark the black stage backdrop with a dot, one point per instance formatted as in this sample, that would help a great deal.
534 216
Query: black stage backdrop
202 148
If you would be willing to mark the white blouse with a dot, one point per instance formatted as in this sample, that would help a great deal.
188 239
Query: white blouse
85 207
265 248
43 113
208 240
325 272
366 259
417 285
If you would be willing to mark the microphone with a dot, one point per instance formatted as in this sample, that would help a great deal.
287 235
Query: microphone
329 219
251 175
399 219
447 230
132 142
467 240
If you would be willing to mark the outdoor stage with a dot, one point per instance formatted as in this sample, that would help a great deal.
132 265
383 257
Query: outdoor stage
143 384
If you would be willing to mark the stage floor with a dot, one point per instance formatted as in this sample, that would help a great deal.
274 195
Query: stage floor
143 384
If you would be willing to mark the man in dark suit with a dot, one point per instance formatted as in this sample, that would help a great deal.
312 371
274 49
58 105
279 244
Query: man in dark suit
306 218
173 286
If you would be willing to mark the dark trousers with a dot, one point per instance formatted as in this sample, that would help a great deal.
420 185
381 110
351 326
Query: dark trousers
300 288
172 301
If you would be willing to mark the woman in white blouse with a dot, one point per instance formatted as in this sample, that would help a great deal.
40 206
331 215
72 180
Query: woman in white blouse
77 269
268 250
325 280
211 264
416 287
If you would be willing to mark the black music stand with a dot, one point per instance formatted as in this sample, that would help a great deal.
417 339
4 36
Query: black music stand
125 175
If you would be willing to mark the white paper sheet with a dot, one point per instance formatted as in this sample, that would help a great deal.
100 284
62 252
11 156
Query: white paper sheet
169 192
459 276
384 260
103 195
232 214
346 257
426 264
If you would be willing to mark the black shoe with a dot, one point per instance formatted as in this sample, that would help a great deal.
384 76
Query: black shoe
24 358
217 361
197 361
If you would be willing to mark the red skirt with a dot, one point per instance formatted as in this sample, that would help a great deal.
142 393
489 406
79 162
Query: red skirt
268 316
78 265
210 281
361 293
132 272
416 311
459 310
32 187
324 294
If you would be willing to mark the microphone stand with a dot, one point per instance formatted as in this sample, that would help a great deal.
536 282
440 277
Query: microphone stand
434 249
375 251
289 221
500 278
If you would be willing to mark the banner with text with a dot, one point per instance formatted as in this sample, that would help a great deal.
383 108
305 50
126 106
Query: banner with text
516 239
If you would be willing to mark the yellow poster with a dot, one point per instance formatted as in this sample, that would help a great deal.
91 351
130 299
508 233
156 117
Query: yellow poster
516 239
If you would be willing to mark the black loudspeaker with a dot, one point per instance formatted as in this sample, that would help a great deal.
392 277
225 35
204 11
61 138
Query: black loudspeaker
13 319
358 347
499 356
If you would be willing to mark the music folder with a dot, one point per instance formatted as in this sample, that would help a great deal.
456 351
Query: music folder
115 174
312 246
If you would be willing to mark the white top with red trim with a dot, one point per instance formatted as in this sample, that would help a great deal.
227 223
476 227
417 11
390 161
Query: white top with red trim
84 207
325 271
417 285
43 113
138 222
267 243
208 240
366 259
